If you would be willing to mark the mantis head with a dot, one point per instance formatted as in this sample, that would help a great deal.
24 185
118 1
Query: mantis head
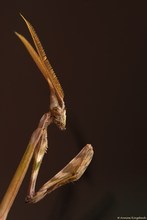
59 117
58 111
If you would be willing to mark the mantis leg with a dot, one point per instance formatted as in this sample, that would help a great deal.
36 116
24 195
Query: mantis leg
70 173
39 152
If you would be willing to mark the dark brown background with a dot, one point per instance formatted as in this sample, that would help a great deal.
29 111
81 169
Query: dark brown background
99 52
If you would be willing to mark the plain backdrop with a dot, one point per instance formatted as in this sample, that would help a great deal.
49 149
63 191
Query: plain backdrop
99 51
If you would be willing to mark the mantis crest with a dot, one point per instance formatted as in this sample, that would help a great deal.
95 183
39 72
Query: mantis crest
57 114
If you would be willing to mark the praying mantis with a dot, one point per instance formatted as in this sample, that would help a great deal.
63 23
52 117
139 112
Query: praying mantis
38 142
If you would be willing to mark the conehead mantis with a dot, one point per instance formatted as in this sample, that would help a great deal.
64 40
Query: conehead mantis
38 142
